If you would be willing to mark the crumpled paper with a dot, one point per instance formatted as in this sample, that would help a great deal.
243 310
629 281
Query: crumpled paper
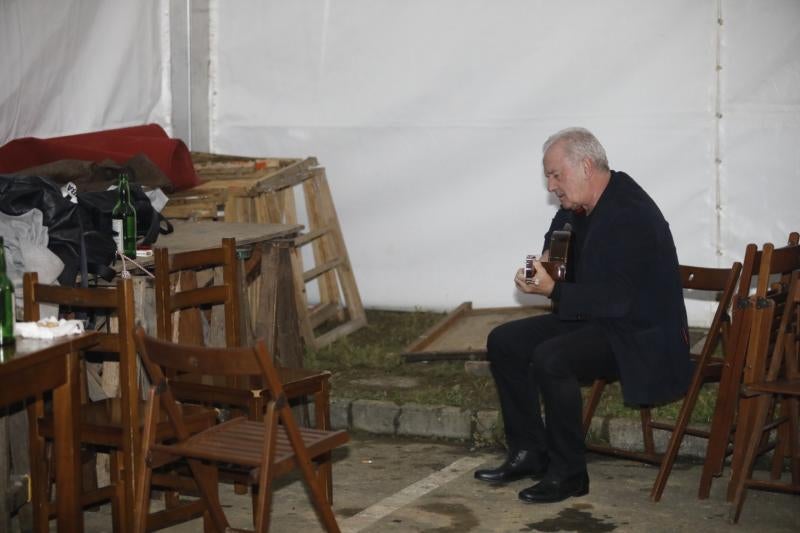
48 328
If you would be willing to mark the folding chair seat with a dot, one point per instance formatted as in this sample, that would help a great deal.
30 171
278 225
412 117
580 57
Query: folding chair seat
114 423
772 377
762 268
266 447
716 282
195 302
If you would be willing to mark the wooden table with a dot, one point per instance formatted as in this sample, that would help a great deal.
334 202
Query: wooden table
31 368
205 234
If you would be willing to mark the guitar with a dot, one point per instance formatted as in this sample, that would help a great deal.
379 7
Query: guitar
556 265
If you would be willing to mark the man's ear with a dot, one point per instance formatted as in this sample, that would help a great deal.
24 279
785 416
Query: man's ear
588 167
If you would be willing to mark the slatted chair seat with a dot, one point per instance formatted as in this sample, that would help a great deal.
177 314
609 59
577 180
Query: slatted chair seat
244 439
269 444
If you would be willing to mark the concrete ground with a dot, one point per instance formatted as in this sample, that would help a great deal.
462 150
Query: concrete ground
401 485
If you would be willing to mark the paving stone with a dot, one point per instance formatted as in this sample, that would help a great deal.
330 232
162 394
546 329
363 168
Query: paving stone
374 416
340 413
477 368
434 421
627 434
487 422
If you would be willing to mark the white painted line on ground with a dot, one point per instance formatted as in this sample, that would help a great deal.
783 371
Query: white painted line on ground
390 504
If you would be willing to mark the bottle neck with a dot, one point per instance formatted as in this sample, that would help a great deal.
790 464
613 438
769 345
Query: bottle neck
124 189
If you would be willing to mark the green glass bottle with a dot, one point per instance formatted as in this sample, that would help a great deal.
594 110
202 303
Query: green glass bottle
123 218
6 302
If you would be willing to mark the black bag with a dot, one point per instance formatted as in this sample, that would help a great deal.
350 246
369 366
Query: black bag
79 233
149 222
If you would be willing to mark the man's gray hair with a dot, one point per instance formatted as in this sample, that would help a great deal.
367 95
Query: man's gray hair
579 143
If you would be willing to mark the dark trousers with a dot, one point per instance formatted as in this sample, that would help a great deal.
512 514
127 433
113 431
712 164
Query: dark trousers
545 356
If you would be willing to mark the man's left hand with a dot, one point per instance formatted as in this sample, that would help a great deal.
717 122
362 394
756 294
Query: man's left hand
541 283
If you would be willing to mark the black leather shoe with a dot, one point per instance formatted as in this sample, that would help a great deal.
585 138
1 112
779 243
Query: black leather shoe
518 465
556 490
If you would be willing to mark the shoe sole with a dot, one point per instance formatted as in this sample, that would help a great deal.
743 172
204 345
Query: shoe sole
532 475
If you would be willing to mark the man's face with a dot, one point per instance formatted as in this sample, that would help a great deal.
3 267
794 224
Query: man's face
567 181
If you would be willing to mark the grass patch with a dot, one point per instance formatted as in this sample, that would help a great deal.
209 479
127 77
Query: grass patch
371 354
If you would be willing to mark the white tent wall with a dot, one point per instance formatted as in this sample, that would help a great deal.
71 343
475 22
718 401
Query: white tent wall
429 117
74 66
760 124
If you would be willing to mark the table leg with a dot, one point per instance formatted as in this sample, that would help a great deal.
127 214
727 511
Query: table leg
5 511
66 406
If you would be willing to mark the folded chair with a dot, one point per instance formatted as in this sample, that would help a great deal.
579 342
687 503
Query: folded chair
112 424
716 282
181 291
772 376
761 268
265 448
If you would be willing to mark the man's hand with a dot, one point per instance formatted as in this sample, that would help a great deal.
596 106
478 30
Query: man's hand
541 283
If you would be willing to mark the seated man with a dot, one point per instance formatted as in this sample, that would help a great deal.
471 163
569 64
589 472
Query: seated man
622 316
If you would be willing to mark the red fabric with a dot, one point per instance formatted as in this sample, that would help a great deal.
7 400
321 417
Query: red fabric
170 155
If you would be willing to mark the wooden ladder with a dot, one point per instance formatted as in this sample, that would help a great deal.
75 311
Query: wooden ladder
339 311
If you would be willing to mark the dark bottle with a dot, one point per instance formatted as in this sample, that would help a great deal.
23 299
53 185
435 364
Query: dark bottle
6 302
123 218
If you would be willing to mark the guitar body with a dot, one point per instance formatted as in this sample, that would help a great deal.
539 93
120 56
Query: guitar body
556 265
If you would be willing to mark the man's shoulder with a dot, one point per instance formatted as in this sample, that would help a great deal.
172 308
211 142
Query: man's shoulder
629 195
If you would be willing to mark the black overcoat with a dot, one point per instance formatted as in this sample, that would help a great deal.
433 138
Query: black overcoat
626 281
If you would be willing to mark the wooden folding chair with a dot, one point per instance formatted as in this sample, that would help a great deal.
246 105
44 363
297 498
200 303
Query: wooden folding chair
98 426
772 375
264 448
718 282
114 423
762 267
191 299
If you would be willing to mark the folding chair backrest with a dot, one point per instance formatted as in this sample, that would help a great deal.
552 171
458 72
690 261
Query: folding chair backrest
755 259
118 301
163 357
718 280
773 316
189 299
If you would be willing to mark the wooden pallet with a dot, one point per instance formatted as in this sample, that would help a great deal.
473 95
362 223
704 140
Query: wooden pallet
461 334
266 190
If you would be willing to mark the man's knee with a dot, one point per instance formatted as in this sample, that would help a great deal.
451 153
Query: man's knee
497 344
495 338
548 362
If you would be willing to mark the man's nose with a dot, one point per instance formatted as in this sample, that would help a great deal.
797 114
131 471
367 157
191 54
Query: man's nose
550 187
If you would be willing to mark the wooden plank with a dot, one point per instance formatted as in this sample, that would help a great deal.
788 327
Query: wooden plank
462 333
301 299
202 235
319 270
310 236
347 280
322 313
287 177
339 332
323 249
439 328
